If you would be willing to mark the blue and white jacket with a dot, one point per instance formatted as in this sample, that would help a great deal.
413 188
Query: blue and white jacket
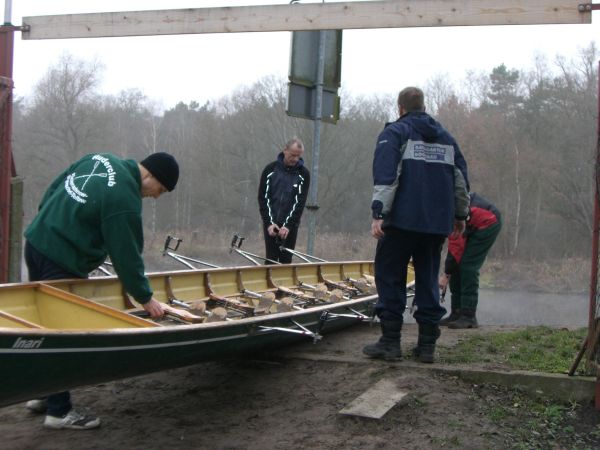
419 176
282 193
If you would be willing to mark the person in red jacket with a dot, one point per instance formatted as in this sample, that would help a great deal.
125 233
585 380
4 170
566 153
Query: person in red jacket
466 255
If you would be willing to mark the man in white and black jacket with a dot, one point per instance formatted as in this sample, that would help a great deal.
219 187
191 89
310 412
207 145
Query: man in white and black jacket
282 194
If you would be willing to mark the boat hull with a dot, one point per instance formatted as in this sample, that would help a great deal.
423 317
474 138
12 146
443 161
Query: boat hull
40 361
69 360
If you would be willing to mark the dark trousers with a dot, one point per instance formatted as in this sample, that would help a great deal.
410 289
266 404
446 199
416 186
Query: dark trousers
464 284
394 251
272 245
41 268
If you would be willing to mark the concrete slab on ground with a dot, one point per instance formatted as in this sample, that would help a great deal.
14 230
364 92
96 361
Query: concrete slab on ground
375 401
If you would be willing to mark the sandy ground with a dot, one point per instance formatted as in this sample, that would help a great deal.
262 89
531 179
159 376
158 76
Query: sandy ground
284 401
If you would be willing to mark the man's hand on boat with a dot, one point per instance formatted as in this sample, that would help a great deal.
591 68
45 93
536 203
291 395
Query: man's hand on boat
154 308
376 230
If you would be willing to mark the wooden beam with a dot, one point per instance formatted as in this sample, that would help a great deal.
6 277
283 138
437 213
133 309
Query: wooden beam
314 16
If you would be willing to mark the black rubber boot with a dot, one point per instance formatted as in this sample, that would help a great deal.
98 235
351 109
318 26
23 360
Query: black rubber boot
388 345
454 315
425 349
467 319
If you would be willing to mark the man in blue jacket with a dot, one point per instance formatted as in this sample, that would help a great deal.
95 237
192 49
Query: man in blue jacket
420 196
281 198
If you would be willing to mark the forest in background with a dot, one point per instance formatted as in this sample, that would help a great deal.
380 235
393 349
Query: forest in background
528 135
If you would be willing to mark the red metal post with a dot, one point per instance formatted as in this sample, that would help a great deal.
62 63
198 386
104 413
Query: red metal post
6 162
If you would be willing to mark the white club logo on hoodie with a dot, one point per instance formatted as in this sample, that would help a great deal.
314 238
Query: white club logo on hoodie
75 184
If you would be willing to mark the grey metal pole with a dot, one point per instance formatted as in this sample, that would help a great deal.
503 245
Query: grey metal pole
7 12
314 173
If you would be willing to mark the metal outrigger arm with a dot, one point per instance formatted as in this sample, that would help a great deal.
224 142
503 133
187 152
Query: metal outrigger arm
104 270
355 315
303 330
169 251
326 315
303 256
236 244
411 287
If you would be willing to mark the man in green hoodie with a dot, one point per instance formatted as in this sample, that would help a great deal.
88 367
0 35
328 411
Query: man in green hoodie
90 211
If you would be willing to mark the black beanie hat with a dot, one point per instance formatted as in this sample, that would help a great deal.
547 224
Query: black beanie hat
163 167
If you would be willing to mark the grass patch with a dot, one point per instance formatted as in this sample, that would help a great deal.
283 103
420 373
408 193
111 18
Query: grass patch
538 424
539 349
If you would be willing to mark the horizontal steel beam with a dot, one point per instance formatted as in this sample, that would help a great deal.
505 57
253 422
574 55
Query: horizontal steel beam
313 16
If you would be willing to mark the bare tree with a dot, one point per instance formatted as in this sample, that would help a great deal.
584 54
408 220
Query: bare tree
528 137
65 107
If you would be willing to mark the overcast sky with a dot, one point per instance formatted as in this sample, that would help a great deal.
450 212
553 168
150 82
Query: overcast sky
204 67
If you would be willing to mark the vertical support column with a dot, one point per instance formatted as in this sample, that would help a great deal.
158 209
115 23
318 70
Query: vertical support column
590 345
593 322
7 168
312 205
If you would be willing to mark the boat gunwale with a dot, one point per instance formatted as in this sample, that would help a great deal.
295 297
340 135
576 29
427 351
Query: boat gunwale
107 278
191 326
12 331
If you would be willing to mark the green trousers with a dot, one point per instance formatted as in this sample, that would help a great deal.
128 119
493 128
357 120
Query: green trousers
464 283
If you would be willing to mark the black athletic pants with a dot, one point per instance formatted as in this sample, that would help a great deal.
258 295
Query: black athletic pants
272 245
41 268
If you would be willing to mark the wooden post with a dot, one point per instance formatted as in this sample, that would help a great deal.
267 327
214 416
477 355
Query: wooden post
6 162
592 336
16 230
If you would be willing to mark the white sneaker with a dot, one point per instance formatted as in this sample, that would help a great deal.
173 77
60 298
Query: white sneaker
72 420
37 406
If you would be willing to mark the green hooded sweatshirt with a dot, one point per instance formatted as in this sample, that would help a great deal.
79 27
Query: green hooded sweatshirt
91 210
